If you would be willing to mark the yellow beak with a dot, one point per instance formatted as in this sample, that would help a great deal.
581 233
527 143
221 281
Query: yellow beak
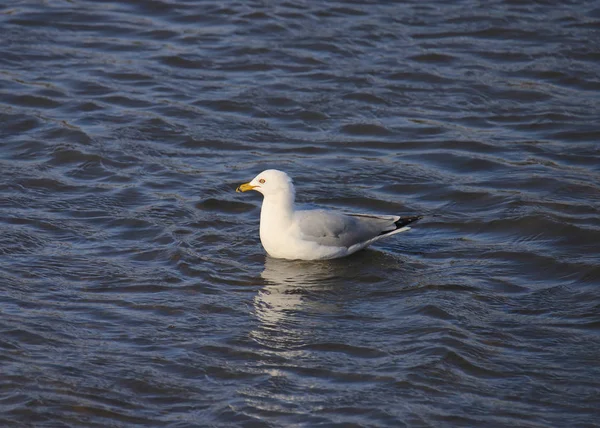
244 187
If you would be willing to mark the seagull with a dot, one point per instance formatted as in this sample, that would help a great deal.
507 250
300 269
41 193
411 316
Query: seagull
287 233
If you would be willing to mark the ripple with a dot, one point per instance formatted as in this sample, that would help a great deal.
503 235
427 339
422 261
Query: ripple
433 58
364 129
136 291
224 206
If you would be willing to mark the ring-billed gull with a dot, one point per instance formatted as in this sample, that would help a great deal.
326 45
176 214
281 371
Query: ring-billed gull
287 233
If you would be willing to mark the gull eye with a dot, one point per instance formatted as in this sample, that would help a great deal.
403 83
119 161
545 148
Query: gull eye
261 181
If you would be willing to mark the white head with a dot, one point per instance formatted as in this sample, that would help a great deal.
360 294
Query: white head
271 182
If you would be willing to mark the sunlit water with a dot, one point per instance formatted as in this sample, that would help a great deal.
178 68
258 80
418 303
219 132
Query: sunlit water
133 287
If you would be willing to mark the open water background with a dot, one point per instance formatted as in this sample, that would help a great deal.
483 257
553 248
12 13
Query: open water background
133 287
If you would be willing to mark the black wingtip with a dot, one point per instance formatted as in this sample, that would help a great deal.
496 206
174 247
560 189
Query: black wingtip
405 221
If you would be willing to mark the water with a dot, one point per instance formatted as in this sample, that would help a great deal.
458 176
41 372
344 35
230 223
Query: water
134 290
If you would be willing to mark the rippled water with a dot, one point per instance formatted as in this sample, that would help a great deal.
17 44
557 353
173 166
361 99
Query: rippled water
134 290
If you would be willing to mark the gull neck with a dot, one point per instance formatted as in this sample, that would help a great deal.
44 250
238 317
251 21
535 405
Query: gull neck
278 207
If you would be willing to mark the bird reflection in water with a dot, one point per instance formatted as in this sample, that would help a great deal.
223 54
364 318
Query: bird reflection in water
299 296
292 300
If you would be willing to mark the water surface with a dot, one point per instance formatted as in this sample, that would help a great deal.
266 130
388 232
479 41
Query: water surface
133 287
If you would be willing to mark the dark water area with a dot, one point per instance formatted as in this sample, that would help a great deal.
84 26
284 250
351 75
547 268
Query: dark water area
133 287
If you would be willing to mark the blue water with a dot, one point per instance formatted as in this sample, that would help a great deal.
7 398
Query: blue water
133 287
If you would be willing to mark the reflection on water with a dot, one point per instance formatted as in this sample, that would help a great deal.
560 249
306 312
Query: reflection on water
298 294
303 311
130 269
290 285
303 273
286 305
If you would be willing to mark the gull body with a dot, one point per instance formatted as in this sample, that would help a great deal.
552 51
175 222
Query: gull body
287 233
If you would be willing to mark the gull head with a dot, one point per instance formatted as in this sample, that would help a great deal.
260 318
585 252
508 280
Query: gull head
270 183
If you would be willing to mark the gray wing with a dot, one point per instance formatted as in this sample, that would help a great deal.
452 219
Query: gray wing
340 230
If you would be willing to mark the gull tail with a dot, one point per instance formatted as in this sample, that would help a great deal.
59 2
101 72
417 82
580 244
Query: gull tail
402 224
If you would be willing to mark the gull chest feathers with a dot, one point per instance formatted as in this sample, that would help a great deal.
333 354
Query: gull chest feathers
276 225
313 234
